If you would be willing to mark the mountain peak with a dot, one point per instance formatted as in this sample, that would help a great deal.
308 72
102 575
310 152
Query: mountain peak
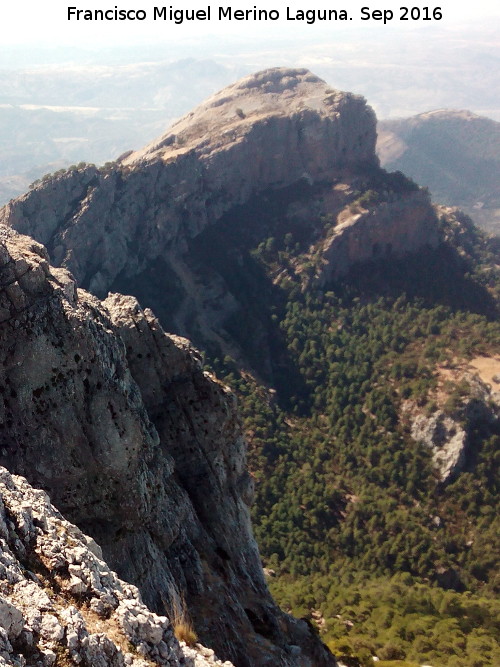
267 131
229 115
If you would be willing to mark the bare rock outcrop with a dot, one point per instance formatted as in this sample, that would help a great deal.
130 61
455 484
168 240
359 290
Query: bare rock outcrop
447 430
141 449
390 229
61 604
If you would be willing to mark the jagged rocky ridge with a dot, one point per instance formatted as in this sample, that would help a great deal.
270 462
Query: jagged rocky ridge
60 604
141 449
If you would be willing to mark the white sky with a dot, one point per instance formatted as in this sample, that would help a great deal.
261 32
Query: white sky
36 22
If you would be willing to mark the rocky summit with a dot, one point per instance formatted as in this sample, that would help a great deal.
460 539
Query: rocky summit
288 122
280 140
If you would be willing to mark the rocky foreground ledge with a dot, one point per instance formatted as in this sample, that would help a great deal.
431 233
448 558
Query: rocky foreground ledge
60 604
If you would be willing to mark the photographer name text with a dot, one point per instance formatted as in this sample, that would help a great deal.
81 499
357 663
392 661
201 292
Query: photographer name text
178 16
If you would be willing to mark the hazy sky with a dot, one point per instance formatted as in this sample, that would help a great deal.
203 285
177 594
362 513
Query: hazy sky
33 22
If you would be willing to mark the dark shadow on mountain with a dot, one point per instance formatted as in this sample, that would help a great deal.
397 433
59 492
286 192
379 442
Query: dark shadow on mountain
437 276
157 287
226 250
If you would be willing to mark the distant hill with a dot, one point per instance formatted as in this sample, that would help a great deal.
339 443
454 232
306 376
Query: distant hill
456 154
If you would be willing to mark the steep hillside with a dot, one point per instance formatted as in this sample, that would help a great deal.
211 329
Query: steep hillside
456 154
357 323
373 424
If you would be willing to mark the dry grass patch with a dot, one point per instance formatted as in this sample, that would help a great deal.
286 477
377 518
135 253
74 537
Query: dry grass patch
177 611
488 369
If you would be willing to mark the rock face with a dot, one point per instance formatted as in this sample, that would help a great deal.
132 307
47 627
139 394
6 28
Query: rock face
448 430
61 604
157 478
389 230
446 438
269 130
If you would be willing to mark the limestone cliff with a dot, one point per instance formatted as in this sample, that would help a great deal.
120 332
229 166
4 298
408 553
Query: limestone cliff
140 448
379 232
